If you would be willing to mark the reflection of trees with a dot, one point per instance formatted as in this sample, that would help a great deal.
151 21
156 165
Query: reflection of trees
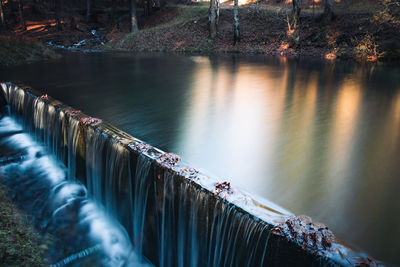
347 164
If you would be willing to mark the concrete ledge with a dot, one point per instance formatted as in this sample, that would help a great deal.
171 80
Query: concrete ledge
175 215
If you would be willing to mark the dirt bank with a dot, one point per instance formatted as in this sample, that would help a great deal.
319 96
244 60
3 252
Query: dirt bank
362 30
264 30
16 51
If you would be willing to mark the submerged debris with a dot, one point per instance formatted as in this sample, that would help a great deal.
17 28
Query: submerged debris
44 97
312 236
72 112
139 147
168 160
222 189
188 173
89 121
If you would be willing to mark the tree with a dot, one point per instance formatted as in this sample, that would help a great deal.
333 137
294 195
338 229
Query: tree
295 20
2 18
236 32
217 11
21 14
111 16
58 4
328 11
212 19
88 10
134 24
296 12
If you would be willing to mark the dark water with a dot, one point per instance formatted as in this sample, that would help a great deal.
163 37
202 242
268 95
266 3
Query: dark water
317 138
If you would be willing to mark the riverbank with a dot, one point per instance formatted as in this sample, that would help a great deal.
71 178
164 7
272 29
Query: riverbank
19 244
364 36
17 51
364 32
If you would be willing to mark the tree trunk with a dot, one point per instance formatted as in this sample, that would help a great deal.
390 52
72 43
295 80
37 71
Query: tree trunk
21 14
295 20
72 21
88 10
2 18
217 12
328 11
296 12
236 32
115 19
212 20
13 9
111 14
134 23
57 11
147 7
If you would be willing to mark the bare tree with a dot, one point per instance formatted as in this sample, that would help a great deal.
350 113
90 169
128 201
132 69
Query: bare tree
111 14
212 19
88 10
296 12
236 32
295 20
58 4
328 11
134 23
71 17
146 7
217 11
21 14
2 17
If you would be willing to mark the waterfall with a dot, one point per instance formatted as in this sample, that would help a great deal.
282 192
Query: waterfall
174 215
81 231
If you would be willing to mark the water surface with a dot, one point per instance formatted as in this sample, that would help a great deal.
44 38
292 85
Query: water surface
318 138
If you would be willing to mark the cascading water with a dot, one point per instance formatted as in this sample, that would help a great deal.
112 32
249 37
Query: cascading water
81 230
174 215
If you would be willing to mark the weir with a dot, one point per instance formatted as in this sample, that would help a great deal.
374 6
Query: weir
174 215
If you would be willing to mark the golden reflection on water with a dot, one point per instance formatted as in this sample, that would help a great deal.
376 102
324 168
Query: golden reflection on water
317 138
344 126
396 115
227 108
301 139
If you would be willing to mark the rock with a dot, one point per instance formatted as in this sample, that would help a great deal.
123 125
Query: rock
310 235
221 189
139 147
168 160
89 121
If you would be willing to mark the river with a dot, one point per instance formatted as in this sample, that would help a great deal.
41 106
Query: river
318 138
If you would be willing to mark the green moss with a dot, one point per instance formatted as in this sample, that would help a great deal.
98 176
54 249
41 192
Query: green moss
19 244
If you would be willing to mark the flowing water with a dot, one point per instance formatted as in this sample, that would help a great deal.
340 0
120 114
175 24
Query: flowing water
318 138
76 229
171 221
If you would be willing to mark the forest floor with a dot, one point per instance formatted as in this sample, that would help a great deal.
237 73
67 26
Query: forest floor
359 35
365 32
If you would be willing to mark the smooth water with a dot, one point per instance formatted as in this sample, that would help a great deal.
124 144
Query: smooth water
76 230
318 138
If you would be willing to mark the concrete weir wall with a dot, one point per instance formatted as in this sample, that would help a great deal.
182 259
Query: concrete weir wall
174 214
